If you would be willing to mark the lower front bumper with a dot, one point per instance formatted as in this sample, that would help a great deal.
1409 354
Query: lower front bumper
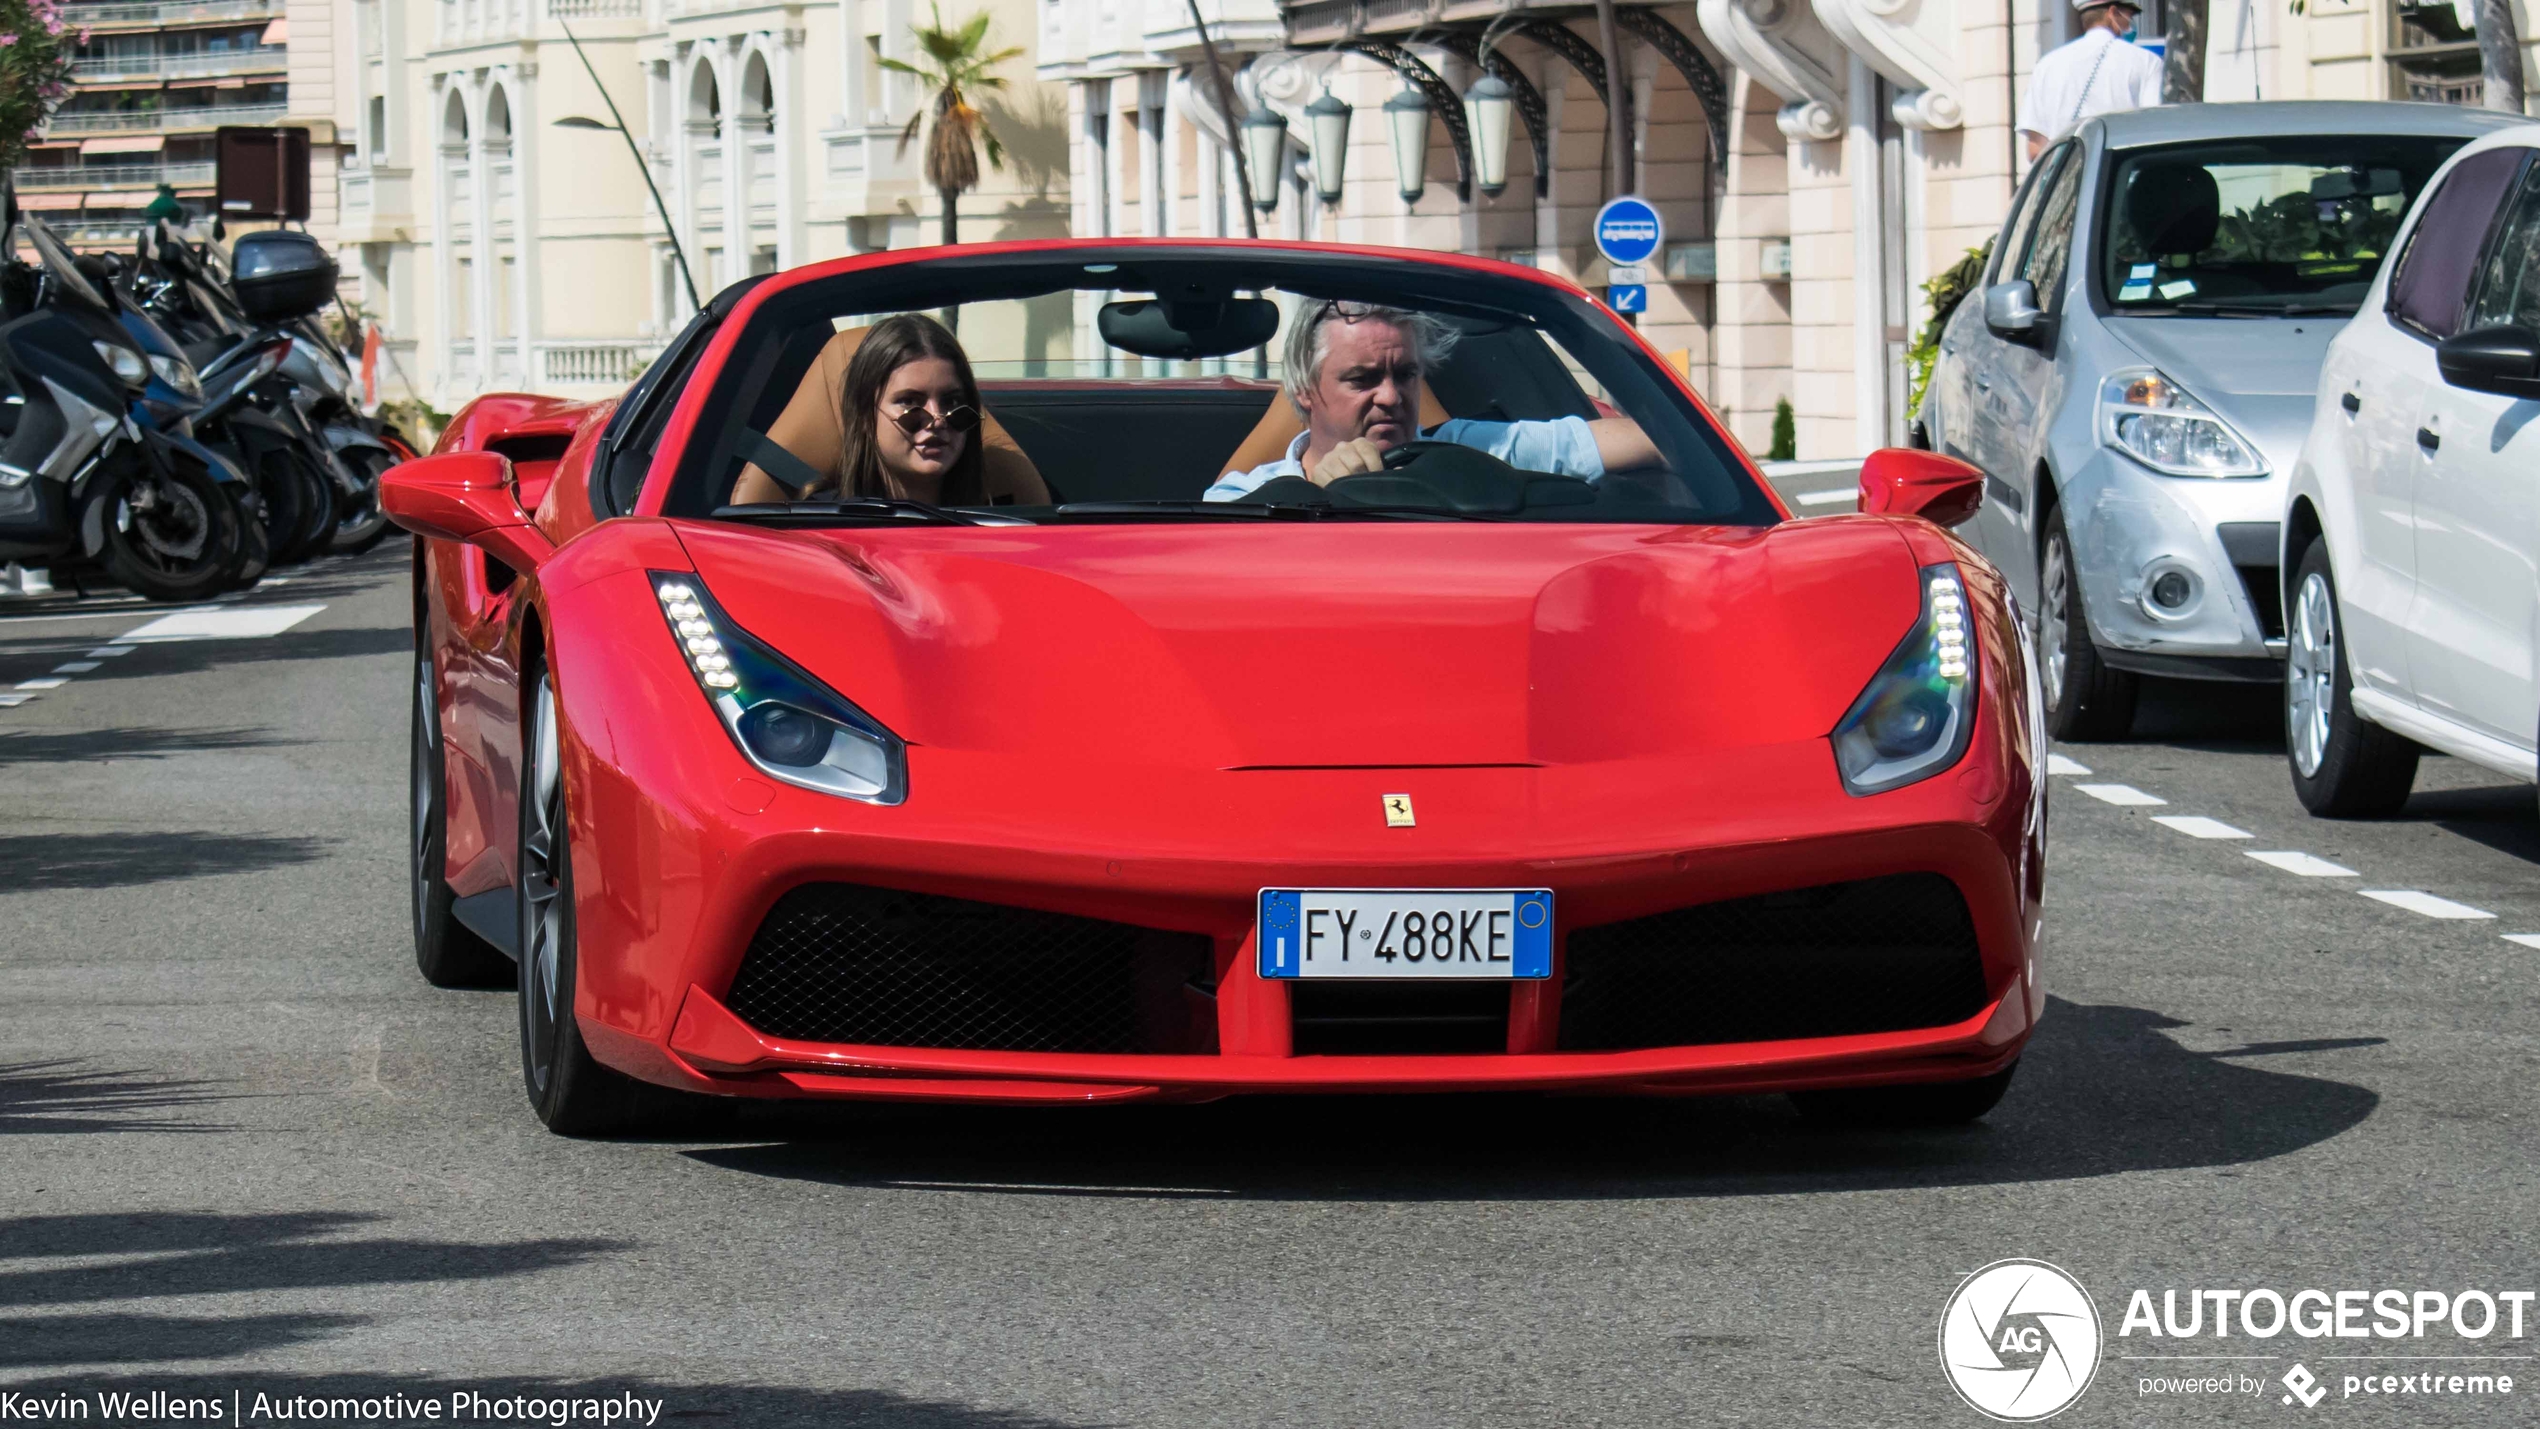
711 1050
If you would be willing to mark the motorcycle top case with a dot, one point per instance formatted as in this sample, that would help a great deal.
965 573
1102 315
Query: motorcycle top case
280 275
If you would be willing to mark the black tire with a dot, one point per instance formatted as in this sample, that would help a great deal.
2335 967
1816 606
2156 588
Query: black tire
170 534
446 953
360 521
317 507
285 507
2086 699
2357 769
568 1088
1914 1104
255 546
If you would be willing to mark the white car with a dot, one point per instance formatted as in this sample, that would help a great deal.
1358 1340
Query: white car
2412 520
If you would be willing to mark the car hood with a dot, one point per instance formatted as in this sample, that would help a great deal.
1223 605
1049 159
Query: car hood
1378 644
2261 374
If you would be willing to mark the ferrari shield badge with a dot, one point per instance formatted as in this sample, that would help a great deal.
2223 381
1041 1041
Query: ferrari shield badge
1398 811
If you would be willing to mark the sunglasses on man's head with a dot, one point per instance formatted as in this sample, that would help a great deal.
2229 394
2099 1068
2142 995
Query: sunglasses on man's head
914 420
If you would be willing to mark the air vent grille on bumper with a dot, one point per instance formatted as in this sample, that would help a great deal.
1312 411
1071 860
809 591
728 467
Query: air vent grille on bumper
839 962
1880 955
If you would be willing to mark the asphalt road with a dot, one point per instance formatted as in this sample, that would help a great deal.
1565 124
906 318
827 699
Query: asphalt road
243 1146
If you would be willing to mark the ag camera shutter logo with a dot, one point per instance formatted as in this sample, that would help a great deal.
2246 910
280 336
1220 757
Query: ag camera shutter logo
2020 1341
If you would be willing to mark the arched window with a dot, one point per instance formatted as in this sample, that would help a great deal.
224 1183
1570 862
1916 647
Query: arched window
454 121
758 97
705 97
498 119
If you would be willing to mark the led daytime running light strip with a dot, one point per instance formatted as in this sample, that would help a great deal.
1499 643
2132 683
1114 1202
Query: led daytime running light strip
696 636
1949 627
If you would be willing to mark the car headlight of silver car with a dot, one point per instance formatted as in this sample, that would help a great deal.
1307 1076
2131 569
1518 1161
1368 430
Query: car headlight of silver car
1914 718
787 723
2144 413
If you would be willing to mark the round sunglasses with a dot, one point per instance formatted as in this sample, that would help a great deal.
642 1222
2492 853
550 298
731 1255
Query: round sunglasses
914 420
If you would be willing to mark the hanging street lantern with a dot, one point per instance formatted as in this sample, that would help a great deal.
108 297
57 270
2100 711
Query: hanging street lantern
1327 143
1265 137
1407 125
1487 106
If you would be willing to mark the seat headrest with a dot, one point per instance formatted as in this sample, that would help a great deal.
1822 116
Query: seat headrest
2173 208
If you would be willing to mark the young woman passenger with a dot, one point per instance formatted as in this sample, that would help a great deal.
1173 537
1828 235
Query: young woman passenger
893 410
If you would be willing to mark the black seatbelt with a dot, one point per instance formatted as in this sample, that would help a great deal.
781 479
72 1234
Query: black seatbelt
787 470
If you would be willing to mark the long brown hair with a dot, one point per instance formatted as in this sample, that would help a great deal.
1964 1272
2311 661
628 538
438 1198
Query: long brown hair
892 344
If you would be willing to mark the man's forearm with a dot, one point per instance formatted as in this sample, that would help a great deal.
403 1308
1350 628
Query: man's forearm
1621 445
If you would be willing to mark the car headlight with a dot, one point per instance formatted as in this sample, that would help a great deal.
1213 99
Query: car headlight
788 724
126 362
1914 718
2148 416
177 373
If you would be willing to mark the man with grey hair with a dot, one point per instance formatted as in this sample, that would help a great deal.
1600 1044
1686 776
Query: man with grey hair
1354 371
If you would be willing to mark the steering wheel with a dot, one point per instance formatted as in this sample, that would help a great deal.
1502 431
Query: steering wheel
1442 474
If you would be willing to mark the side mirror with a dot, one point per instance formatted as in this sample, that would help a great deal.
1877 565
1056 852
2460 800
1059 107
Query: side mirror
1900 481
2011 311
2503 360
464 496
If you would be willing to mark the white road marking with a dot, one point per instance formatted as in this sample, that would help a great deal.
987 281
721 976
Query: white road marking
1826 498
2528 940
2418 901
49 682
2197 826
2302 864
77 667
10 702
2125 795
108 652
2058 764
214 623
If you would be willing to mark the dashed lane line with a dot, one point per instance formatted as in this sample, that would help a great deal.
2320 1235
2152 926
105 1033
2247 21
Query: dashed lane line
215 623
2122 795
108 652
2301 864
2528 940
48 682
1827 498
2419 901
2058 764
77 667
2197 826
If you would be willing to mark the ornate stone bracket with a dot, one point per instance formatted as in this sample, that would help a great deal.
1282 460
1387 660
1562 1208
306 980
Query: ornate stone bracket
1910 42
1780 44
1679 50
1444 103
1530 107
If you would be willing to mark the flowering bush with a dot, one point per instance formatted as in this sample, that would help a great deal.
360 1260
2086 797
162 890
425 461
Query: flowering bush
35 70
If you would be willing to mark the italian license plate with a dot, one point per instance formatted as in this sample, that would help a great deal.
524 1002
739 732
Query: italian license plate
1441 933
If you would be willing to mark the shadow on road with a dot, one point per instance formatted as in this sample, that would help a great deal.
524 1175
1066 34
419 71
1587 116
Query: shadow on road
757 1406
127 742
2500 817
61 1097
155 1339
2212 715
2101 1092
64 860
193 657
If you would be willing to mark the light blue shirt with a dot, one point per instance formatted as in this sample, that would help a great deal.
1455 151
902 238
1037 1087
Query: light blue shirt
1563 446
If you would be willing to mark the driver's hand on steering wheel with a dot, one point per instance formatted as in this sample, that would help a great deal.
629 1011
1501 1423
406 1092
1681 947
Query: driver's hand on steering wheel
1354 457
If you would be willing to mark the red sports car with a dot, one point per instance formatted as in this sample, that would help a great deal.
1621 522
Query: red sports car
1110 670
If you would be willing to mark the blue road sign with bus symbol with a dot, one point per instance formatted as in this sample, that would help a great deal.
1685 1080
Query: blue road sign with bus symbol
1628 231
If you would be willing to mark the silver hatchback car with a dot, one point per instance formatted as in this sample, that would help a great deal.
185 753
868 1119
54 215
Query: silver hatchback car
2137 371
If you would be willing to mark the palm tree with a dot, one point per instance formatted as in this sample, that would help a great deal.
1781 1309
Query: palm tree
954 63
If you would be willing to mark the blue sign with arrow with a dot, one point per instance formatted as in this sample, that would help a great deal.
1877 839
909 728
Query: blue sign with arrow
1629 231
1628 297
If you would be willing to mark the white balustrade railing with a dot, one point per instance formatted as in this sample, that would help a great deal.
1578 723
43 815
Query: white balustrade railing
113 176
597 362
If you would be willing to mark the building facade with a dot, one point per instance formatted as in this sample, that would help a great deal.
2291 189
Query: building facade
152 83
502 234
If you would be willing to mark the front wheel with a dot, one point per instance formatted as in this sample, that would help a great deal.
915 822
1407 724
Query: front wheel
2086 699
1916 1104
446 953
360 521
170 534
2344 766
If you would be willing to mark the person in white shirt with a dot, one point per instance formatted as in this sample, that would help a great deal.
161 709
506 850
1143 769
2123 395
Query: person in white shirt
1353 370
2103 72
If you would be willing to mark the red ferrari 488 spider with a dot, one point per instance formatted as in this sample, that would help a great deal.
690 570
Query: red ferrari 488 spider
1101 671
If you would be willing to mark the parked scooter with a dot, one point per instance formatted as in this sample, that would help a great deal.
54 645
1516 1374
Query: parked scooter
98 464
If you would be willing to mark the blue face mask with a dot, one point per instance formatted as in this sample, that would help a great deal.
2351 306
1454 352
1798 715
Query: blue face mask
2127 35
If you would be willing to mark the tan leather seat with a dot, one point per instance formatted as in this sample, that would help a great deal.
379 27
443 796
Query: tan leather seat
813 427
1277 429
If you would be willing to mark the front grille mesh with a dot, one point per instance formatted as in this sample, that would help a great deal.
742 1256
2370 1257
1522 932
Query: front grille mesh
839 962
1879 955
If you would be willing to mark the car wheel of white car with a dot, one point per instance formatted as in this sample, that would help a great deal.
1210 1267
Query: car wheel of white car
2344 766
2085 699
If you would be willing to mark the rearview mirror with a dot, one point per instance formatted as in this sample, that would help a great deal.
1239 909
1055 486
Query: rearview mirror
2503 360
464 496
2011 311
1151 327
1901 481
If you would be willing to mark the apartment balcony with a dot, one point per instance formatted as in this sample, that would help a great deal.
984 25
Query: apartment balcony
113 176
609 363
148 16
159 121
255 59
595 9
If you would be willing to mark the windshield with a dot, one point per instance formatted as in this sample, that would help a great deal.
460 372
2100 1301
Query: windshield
2290 224
1189 389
